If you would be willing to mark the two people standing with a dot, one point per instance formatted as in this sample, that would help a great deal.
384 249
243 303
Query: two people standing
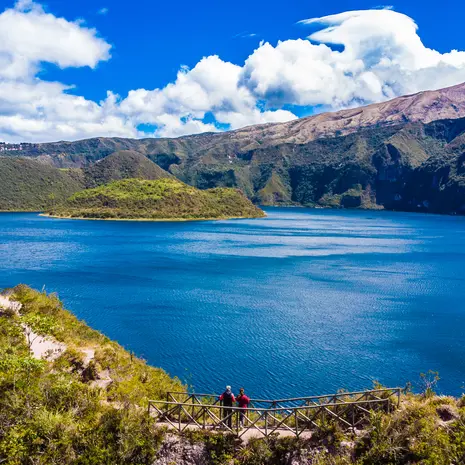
228 399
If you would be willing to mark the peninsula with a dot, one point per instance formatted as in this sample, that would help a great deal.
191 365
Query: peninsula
161 199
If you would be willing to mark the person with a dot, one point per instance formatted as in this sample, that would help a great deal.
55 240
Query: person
227 399
243 402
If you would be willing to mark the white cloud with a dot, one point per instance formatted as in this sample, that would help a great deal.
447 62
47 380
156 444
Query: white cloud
29 35
103 11
212 86
381 56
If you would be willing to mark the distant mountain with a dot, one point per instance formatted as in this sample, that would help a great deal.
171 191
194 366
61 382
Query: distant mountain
156 200
403 154
123 164
28 184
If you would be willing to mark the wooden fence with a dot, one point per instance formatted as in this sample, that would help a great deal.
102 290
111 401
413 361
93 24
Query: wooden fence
182 410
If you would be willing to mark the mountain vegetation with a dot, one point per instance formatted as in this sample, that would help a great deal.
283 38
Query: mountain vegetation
161 199
405 154
123 164
34 184
29 185
87 404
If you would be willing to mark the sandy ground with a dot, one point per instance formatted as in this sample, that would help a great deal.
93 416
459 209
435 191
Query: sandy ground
44 348
5 302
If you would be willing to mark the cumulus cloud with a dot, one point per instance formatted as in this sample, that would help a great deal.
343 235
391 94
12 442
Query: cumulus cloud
382 57
29 35
212 86
379 55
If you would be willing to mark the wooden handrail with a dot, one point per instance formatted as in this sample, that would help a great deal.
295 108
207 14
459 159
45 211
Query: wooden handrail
350 409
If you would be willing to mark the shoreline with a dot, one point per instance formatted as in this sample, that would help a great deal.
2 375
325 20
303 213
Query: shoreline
156 220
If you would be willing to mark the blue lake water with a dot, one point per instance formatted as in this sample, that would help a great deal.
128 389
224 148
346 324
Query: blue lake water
304 301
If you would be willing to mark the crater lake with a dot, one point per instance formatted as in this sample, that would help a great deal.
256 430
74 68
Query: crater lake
301 302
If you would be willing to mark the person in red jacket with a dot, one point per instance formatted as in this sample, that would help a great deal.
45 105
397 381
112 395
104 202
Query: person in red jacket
243 402
227 399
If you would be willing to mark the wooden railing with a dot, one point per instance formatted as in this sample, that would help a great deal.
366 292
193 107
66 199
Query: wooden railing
294 416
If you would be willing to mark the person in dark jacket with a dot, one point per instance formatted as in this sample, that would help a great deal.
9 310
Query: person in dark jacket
227 399
243 402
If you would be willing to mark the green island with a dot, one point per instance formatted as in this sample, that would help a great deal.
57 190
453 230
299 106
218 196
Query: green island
69 395
161 199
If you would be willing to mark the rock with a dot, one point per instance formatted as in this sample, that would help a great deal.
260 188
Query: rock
176 451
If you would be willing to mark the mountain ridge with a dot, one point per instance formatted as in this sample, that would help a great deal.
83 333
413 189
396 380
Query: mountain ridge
425 106
403 154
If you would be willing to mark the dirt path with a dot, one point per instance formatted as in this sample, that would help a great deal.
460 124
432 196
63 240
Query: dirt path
41 347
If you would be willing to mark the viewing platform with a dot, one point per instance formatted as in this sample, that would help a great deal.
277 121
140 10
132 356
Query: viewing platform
300 416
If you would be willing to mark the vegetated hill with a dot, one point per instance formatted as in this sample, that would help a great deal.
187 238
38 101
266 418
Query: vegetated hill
160 199
84 405
34 184
28 184
123 164
87 404
404 154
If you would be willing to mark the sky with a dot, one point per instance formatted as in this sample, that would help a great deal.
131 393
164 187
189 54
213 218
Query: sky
74 69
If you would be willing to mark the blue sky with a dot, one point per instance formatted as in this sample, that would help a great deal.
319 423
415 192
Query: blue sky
142 46
151 39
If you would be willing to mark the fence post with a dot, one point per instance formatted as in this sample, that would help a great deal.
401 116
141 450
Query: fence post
192 410
266 424
353 419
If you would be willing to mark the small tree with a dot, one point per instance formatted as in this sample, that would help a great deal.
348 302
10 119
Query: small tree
51 198
429 380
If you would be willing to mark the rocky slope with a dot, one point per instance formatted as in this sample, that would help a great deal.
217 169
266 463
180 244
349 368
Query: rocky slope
404 154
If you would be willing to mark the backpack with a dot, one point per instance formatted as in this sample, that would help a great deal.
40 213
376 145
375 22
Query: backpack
227 398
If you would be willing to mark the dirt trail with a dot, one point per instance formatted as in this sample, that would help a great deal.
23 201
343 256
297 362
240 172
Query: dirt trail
41 347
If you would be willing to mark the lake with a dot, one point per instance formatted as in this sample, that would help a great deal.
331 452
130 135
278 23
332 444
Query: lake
301 302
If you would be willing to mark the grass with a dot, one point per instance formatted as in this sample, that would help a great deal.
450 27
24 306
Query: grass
28 185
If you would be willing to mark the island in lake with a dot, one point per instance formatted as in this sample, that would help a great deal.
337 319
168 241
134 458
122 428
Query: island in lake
161 199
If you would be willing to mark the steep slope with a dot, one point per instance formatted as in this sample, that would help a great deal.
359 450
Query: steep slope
123 164
402 154
448 103
161 199
28 184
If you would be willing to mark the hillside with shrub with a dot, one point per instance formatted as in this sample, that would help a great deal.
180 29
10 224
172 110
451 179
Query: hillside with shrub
30 185
87 404
156 200
123 164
